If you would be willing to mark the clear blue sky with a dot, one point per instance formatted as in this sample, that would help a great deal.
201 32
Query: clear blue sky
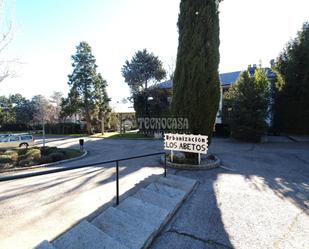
47 32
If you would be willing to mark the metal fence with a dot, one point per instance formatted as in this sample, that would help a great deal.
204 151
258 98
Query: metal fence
52 171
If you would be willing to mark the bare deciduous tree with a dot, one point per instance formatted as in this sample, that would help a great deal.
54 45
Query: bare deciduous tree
6 36
171 67
56 99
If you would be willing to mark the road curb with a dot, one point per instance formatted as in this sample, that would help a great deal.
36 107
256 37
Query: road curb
292 139
203 166
44 165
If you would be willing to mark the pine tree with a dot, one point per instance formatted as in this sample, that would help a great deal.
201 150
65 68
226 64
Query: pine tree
292 100
196 90
85 86
102 101
144 69
248 101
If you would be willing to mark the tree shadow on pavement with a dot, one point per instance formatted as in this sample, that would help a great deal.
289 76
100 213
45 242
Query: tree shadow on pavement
198 223
282 172
80 191
271 171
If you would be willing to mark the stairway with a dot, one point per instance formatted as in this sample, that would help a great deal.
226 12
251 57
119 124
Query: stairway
134 223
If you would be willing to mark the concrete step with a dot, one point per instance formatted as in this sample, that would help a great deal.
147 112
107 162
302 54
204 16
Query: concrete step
144 210
177 182
157 199
44 245
128 230
165 190
134 223
86 236
182 178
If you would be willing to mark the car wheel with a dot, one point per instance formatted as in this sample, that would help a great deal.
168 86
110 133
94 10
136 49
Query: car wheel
24 145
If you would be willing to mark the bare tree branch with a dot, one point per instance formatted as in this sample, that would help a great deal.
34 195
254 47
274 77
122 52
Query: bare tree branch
7 37
171 67
6 28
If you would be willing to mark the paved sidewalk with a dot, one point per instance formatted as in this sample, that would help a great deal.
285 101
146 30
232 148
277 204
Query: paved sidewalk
258 200
42 207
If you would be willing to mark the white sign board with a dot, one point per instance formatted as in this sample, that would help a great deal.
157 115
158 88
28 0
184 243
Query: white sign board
186 143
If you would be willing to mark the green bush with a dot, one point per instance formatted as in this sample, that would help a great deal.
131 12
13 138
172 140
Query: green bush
158 106
46 159
12 154
14 127
48 150
69 153
22 151
26 162
32 154
57 156
63 128
181 159
5 159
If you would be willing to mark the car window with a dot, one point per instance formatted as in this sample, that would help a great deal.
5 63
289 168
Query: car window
14 138
26 137
4 139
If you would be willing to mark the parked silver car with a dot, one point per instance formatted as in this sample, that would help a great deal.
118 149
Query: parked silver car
16 140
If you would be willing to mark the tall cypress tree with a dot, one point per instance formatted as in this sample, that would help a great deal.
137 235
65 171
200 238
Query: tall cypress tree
196 91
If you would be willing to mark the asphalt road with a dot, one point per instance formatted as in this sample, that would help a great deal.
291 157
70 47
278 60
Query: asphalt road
42 207
260 199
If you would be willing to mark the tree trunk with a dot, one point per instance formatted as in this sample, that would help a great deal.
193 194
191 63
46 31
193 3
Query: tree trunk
88 124
102 126
120 123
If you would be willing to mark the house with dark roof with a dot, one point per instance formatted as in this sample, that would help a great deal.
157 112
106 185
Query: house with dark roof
226 81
